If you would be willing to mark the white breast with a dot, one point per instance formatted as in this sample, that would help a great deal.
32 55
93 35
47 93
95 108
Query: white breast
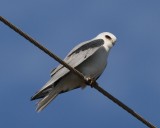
94 65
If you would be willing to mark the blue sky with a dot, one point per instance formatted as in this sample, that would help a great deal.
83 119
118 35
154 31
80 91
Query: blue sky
132 74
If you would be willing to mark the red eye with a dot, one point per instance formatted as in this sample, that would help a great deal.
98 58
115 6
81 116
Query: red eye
108 37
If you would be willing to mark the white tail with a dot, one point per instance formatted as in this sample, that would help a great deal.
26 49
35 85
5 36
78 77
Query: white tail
46 100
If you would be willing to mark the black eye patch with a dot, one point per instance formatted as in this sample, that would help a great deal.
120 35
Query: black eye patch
108 37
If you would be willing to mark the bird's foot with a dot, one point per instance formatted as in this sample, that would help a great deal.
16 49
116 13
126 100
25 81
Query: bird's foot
90 81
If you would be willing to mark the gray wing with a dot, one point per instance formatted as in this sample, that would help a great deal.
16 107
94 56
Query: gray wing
75 57
79 54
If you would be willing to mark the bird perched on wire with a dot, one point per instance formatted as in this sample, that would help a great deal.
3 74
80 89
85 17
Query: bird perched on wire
89 58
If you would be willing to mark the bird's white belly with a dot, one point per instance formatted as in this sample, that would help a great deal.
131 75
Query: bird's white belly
92 67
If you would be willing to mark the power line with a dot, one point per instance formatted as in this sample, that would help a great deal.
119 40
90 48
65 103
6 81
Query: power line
88 81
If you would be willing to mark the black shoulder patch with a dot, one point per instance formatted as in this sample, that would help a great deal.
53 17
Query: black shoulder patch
92 44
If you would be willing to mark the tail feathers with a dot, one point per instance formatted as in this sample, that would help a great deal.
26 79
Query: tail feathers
46 100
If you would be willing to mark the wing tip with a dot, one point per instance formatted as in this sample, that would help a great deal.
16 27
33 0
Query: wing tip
32 98
36 96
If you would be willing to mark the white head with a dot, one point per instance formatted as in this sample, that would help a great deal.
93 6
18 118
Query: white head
108 38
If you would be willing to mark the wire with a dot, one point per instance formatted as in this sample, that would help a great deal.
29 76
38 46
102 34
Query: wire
88 81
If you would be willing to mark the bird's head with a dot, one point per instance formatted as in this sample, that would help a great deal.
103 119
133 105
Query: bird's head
108 38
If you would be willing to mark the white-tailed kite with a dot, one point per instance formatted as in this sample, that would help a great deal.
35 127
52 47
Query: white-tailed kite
89 57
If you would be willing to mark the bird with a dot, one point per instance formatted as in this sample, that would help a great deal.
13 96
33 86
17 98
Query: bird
89 58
